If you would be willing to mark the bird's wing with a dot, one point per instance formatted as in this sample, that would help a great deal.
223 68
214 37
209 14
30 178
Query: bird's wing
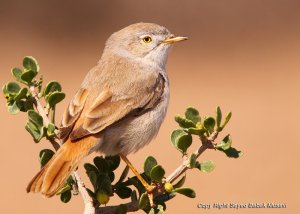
107 109
72 113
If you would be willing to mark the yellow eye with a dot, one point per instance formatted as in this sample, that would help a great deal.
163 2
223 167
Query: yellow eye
147 39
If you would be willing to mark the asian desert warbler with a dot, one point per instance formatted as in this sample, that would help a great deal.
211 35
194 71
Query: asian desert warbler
119 106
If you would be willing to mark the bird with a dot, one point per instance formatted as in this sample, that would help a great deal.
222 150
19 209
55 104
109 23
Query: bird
118 108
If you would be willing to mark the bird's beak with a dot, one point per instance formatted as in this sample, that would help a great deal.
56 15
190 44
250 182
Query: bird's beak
174 39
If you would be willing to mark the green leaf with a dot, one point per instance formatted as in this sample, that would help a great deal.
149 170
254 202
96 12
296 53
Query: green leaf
186 191
192 160
149 163
123 192
25 105
181 140
12 88
91 194
136 183
17 73
65 188
160 209
121 209
105 183
124 174
14 108
231 152
192 114
218 117
133 196
66 196
30 63
164 197
70 180
35 118
180 182
51 130
144 201
92 173
209 123
28 76
226 143
113 162
157 173
183 122
111 176
101 164
45 155
33 131
93 176
51 87
90 167
5 92
227 118
22 94
199 130
55 98
157 210
206 166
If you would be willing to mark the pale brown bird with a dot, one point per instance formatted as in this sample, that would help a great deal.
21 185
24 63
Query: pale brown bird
119 106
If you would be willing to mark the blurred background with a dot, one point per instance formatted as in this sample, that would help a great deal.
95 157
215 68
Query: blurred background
242 55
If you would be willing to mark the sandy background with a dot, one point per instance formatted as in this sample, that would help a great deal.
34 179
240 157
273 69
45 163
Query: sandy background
242 55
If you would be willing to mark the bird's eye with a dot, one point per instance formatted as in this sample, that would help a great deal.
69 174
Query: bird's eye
147 39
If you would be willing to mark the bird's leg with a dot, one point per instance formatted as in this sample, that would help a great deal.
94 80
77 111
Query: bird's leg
147 186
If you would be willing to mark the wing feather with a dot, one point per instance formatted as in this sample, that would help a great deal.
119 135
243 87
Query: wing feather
107 109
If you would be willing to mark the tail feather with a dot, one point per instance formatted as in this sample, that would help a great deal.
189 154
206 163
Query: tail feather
35 184
51 178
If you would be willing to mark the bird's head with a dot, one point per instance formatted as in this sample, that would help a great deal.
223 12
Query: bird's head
142 42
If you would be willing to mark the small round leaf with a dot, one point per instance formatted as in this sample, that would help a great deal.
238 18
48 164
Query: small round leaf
17 73
52 87
206 166
35 118
183 122
66 196
14 108
144 201
101 164
181 140
186 191
226 143
113 162
30 63
209 123
149 163
157 173
12 88
55 98
28 76
45 155
192 114
123 192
